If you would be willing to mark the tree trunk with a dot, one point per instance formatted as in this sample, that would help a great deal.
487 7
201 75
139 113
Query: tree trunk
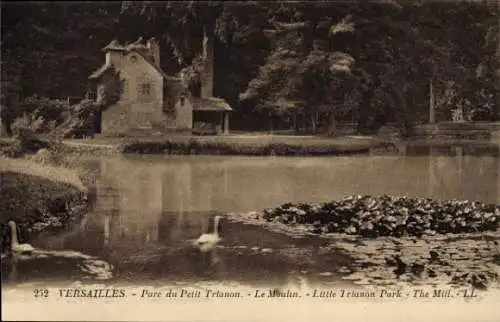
313 122
364 110
304 122
432 108
332 125
7 119
404 116
495 6
295 123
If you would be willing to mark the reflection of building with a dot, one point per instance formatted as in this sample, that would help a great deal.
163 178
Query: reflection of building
171 199
188 197
143 203
131 201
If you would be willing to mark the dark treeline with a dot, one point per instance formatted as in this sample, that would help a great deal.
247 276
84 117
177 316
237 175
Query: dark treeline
302 65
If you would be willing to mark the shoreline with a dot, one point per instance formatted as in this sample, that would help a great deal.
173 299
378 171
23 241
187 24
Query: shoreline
244 145
360 249
469 259
39 197
253 145
272 148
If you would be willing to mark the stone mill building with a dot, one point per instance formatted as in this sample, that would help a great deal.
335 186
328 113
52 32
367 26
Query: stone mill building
151 99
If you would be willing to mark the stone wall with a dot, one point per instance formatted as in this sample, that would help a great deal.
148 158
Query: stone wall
145 104
452 131
146 115
116 119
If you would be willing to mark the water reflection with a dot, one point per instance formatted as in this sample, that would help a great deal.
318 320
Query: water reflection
463 176
149 208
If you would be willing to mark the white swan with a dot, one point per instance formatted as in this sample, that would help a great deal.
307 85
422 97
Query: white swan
91 265
207 242
15 247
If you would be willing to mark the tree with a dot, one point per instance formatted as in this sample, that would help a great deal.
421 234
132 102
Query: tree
304 74
399 48
51 57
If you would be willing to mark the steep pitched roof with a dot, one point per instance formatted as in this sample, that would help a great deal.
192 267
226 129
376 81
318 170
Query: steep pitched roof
150 61
134 47
113 45
210 104
100 71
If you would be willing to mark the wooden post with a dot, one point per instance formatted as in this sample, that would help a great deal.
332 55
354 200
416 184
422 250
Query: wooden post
106 228
226 122
432 112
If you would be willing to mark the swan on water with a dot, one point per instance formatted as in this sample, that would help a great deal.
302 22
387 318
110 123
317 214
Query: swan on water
90 265
15 246
207 242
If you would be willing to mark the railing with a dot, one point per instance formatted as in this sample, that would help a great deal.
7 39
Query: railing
73 99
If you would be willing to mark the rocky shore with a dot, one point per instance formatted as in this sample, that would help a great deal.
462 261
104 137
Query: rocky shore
398 240
373 216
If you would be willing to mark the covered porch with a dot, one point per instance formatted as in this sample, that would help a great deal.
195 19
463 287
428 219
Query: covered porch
211 115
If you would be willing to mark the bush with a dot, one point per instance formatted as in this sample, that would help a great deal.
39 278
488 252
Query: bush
28 124
113 87
202 128
52 111
25 131
79 122
221 146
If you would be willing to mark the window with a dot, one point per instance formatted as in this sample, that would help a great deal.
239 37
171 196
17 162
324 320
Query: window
182 99
91 95
125 88
145 89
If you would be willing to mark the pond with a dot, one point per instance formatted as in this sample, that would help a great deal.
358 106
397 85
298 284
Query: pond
149 208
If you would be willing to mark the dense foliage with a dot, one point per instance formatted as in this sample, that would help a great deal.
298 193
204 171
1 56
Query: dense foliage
302 65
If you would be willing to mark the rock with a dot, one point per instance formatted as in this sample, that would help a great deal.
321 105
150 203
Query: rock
417 269
375 216
344 270
431 273
350 230
390 261
429 232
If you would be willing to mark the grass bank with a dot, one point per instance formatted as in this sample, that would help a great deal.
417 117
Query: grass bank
273 145
38 197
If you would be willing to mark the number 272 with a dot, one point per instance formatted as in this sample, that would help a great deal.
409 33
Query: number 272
41 292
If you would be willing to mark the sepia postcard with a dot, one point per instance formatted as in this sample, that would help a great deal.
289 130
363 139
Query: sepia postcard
250 160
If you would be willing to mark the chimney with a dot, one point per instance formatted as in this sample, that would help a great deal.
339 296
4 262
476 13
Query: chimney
114 52
154 49
207 77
